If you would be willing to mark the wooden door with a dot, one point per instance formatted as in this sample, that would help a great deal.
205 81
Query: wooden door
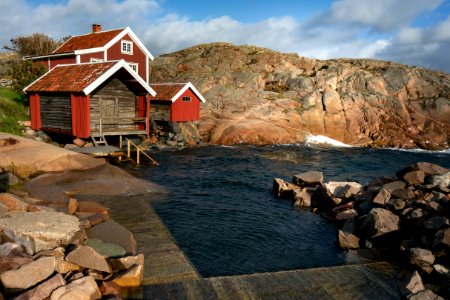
109 113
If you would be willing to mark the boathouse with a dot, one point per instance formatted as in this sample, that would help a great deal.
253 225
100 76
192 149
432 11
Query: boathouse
175 102
91 99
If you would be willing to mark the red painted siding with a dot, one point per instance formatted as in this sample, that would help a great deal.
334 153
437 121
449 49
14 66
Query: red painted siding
141 110
35 111
138 56
85 58
42 62
81 118
185 111
61 61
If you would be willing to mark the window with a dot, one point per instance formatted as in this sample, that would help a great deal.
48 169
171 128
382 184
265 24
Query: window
96 60
186 99
127 47
134 67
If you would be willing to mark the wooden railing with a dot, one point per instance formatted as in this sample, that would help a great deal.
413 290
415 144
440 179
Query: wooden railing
139 150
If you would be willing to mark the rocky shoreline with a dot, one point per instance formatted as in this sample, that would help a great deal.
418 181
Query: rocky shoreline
404 219
53 245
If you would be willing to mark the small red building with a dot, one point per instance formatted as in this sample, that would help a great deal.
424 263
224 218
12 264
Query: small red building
175 102
98 46
91 99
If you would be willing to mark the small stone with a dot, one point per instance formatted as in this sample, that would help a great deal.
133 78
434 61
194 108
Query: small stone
44 289
427 168
109 288
414 177
79 142
346 214
436 222
442 270
114 233
403 193
397 204
105 249
81 289
58 252
12 202
87 257
126 262
417 214
302 198
395 185
308 179
441 181
72 206
412 284
28 275
130 278
13 263
442 239
10 249
382 197
283 189
64 267
343 189
97 275
348 240
421 257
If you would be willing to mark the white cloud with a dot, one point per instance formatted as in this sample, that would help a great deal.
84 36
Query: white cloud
383 15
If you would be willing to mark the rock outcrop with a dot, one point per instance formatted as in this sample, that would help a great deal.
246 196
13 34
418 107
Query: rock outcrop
259 96
405 218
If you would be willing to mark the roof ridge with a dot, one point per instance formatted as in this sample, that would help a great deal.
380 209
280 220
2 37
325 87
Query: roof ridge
121 29
169 83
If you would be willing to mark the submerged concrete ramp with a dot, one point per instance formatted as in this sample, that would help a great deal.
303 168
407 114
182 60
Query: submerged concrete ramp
362 281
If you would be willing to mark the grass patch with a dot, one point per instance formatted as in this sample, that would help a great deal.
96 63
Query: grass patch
11 111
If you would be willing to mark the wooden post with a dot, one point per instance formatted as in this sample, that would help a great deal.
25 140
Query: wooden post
120 141
129 146
137 155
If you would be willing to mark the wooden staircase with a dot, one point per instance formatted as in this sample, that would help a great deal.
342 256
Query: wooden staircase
99 140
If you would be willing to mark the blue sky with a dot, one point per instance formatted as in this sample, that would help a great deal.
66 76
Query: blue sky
415 32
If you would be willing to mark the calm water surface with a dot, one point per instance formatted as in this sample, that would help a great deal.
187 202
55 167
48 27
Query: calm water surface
221 212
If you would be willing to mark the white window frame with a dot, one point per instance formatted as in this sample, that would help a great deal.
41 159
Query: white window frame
128 48
94 60
186 99
135 67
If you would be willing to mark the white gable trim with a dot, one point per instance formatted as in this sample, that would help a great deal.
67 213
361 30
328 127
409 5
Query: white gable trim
133 37
112 71
184 89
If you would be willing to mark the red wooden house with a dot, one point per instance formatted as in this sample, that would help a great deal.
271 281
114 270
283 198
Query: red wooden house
91 99
175 102
100 46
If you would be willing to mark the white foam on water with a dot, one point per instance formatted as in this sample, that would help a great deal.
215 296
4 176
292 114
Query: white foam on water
324 140
418 150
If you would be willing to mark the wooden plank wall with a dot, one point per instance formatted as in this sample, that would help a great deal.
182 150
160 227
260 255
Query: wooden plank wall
56 112
160 112
126 103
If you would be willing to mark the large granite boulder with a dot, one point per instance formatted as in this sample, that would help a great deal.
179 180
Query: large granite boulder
425 167
37 231
343 189
422 258
412 284
283 189
310 178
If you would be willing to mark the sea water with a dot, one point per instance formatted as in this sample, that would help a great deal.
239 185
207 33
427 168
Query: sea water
222 214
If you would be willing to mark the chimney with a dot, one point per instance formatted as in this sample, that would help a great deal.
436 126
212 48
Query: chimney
96 28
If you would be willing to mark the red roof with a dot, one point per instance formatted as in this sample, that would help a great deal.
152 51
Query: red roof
166 91
70 78
88 41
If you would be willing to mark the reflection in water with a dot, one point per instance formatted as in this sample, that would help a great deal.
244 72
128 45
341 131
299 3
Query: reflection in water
221 212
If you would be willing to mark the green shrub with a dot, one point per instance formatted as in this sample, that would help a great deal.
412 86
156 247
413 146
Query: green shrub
11 111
